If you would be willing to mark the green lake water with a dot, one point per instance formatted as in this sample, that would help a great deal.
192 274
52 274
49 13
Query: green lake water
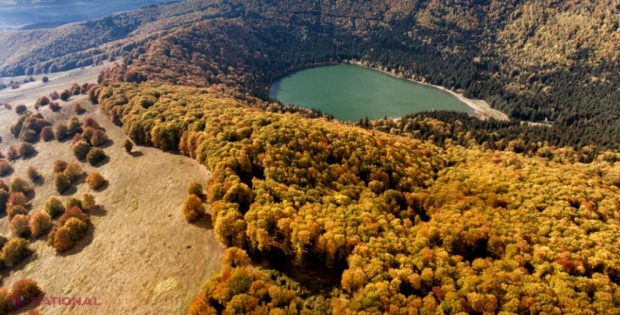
352 92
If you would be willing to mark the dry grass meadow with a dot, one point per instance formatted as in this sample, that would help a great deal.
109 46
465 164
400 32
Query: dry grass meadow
139 255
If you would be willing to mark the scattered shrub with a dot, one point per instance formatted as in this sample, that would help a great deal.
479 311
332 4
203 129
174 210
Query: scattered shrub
19 226
73 202
59 166
128 145
5 167
77 108
87 133
90 122
47 133
17 199
61 240
195 188
12 154
15 251
76 137
45 79
54 207
16 210
26 149
40 222
6 105
95 155
54 106
76 229
193 208
65 95
54 95
73 171
19 184
27 288
95 180
20 109
74 126
88 201
60 131
99 138
42 101
29 136
81 149
73 212
33 174
62 182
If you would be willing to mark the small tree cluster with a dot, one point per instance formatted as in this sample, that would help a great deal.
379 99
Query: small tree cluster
54 95
95 155
72 226
65 95
15 251
19 184
60 131
26 288
64 179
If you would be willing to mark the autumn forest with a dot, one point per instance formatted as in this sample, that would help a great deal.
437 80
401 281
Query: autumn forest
434 213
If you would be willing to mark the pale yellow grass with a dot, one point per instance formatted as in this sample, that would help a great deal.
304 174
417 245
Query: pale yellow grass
139 256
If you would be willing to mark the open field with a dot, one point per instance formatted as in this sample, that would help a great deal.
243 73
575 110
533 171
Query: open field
139 255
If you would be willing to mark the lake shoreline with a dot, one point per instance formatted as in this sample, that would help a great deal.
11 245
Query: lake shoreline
481 108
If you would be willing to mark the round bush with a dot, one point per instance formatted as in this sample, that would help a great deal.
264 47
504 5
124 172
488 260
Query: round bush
76 229
60 131
61 240
29 136
17 199
15 251
87 134
65 95
19 226
33 174
193 208
47 133
195 188
95 155
73 171
81 149
128 145
59 166
5 167
90 122
26 149
16 210
42 101
40 223
20 109
54 207
19 184
95 180
74 212
12 154
99 138
45 79
88 201
77 108
74 126
27 288
62 182
73 202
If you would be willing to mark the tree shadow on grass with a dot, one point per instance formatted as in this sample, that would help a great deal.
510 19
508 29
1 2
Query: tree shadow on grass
8 270
103 186
30 156
98 211
103 162
136 153
205 222
82 243
107 144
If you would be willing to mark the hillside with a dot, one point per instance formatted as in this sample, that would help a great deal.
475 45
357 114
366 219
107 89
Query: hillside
436 213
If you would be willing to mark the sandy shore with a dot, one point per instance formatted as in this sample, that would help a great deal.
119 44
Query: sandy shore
481 108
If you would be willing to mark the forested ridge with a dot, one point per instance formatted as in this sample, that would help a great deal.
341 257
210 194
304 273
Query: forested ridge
436 213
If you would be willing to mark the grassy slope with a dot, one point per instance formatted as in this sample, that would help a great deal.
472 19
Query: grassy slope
125 260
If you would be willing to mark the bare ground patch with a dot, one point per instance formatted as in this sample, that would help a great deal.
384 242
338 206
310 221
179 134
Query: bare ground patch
139 256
